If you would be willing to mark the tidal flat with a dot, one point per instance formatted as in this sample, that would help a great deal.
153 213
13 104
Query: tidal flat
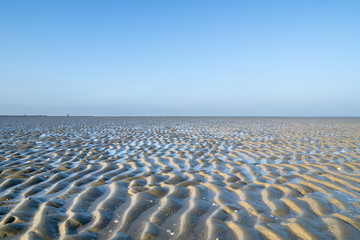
179 178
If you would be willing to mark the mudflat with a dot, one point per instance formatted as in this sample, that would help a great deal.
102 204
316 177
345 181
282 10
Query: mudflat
179 178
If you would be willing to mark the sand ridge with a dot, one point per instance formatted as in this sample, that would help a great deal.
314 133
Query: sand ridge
179 178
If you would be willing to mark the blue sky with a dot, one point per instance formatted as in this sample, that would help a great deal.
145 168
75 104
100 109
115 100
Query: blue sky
212 58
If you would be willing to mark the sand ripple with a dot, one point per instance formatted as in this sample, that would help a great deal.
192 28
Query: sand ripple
179 178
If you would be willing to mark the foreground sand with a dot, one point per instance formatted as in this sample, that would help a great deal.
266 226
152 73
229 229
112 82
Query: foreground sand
179 178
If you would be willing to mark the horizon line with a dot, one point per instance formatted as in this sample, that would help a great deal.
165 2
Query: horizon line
177 116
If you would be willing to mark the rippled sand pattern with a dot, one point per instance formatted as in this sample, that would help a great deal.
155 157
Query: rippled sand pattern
179 178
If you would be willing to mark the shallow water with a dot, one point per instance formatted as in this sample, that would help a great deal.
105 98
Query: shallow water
179 178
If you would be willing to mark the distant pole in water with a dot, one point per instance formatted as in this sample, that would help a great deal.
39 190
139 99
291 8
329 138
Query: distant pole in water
67 115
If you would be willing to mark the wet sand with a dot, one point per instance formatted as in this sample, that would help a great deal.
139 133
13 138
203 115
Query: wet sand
179 178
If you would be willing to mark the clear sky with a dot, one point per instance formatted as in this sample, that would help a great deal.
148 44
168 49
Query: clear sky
185 57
